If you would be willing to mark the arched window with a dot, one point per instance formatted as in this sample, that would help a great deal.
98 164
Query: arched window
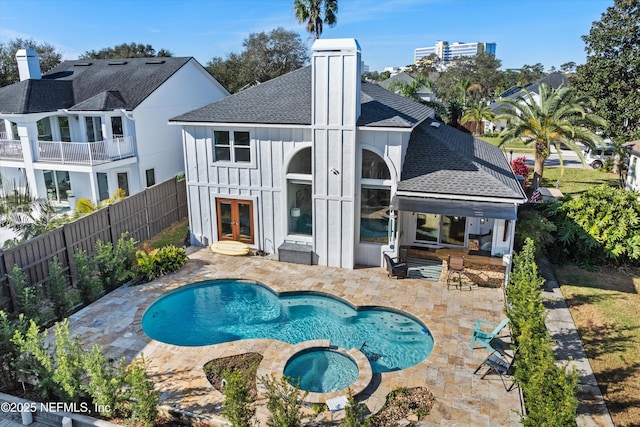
299 194
375 198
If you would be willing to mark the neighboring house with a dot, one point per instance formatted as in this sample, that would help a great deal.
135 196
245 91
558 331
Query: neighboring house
424 93
632 181
319 159
555 80
88 127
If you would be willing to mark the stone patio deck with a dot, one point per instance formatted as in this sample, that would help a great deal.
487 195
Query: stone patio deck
462 398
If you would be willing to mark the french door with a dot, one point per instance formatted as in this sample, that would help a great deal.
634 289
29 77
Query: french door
235 220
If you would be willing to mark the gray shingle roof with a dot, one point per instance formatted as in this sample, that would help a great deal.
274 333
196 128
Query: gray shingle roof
287 100
94 85
447 161
555 80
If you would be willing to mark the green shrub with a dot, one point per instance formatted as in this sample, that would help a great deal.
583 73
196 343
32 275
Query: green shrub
158 262
238 403
9 352
68 362
115 265
549 391
602 225
353 413
284 402
58 286
105 381
143 399
28 297
86 279
35 359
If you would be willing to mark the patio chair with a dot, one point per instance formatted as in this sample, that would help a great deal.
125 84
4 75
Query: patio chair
497 364
455 265
484 337
395 267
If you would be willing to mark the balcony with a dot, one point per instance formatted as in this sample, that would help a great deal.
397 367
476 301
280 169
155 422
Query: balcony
84 153
10 148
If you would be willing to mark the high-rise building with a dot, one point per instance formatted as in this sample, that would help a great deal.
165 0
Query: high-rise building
446 52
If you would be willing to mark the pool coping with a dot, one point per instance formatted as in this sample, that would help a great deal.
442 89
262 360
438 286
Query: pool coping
365 373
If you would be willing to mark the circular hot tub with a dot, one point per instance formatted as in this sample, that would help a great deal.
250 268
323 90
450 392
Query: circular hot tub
321 370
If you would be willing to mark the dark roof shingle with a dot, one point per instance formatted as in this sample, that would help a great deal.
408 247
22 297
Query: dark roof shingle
287 100
447 161
95 85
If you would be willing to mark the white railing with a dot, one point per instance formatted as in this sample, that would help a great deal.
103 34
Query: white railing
10 148
85 153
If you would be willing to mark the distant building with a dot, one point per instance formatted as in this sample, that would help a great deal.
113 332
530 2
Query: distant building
446 52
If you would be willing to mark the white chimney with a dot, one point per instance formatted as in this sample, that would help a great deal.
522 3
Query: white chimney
336 82
28 64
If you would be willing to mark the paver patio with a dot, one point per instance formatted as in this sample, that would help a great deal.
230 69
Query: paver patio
462 398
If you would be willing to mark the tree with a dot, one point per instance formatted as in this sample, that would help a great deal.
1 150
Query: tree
477 113
558 117
265 56
49 56
310 11
124 50
410 89
610 74
568 67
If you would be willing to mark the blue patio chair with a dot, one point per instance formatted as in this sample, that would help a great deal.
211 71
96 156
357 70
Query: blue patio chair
484 337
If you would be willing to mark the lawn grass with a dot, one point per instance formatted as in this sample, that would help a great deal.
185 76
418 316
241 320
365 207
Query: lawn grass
604 306
576 181
173 235
519 146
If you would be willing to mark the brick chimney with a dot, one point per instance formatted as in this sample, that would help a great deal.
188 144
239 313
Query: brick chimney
28 64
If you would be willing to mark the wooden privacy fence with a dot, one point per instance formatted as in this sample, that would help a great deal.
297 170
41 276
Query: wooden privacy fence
142 215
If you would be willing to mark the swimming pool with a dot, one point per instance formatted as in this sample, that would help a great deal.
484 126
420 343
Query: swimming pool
223 310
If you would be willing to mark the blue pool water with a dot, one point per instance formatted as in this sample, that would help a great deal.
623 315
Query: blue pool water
224 310
321 371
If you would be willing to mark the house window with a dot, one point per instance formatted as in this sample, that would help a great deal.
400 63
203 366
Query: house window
375 198
44 129
57 184
151 177
232 146
299 194
123 182
374 214
116 127
103 185
94 129
65 130
440 229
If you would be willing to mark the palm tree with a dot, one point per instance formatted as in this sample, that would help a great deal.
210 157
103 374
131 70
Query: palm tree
477 113
465 86
309 11
558 117
410 89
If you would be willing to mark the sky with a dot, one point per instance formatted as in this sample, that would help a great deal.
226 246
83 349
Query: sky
525 31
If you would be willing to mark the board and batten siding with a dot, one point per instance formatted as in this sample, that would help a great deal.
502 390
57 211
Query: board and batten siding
263 181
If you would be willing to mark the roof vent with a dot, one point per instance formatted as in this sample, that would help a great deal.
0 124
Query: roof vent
435 124
117 62
155 61
82 64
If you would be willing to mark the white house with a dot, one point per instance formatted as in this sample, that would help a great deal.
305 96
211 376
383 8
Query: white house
632 181
89 127
319 159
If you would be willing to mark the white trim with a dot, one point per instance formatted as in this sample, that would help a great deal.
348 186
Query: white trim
460 197
236 125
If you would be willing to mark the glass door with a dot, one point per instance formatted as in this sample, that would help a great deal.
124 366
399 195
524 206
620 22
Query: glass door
440 229
235 220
